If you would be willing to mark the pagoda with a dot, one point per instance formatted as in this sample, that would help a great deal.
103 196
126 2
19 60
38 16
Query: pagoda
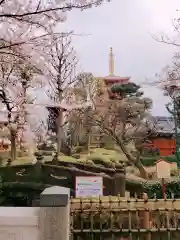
104 93
106 83
113 79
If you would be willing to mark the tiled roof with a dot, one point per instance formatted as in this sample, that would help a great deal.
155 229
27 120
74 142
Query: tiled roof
113 77
164 125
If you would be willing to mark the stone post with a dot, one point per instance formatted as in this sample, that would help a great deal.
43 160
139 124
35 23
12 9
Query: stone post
55 213
120 182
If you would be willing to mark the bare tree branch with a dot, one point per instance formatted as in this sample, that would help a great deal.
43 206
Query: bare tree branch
2 1
173 40
67 7
60 64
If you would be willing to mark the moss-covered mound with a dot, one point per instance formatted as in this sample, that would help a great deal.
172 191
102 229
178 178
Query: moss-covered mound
98 156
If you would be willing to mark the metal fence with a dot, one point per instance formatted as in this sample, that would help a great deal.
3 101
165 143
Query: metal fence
116 218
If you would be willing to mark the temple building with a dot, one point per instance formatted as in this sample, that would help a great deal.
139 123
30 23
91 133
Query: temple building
164 140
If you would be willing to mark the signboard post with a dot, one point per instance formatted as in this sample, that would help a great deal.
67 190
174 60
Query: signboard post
89 186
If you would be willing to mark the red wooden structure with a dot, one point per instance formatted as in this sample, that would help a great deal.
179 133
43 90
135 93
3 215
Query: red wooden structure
166 145
164 139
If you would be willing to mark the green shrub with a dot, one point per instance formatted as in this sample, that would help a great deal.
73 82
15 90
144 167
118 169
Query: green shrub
154 188
147 162
170 158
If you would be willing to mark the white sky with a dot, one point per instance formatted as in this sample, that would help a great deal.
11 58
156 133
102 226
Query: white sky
127 26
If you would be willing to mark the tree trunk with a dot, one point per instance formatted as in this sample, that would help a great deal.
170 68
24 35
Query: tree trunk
59 130
132 160
138 164
143 172
13 145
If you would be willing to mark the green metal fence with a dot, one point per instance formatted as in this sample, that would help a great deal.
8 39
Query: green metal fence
115 218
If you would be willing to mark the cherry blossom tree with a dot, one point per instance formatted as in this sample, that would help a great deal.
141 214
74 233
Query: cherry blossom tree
25 21
17 77
7 96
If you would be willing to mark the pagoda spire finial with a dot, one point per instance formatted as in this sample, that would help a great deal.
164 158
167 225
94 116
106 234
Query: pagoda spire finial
111 62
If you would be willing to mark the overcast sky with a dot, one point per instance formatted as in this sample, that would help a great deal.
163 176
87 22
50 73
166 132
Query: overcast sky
127 26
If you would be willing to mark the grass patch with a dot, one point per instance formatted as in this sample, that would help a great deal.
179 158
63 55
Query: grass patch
67 159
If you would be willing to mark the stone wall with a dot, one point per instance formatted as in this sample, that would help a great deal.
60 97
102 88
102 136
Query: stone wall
19 223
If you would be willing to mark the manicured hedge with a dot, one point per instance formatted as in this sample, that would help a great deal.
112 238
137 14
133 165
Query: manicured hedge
152 161
154 188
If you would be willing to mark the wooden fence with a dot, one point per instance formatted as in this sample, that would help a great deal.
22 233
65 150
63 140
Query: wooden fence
118 218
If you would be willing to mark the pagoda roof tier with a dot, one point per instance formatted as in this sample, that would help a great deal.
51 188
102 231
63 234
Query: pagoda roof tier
68 107
115 79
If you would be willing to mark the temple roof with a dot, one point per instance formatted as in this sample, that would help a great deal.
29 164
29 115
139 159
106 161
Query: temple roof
164 125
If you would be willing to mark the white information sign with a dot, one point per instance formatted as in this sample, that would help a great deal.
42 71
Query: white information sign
89 186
